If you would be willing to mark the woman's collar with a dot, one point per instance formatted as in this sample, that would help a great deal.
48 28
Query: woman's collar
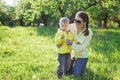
82 30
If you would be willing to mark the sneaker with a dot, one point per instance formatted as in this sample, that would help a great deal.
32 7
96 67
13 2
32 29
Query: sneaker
68 73
59 76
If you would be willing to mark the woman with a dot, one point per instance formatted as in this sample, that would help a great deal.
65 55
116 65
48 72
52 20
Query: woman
83 36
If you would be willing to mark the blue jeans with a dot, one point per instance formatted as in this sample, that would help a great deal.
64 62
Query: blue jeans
64 63
79 66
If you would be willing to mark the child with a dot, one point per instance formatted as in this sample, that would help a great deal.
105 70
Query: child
63 50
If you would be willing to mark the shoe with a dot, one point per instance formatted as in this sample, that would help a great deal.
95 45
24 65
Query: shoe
68 73
59 76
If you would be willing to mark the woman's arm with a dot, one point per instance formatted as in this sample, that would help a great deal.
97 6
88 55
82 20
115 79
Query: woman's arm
84 45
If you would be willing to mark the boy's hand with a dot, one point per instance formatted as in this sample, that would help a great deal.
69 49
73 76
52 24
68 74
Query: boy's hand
58 45
77 42
69 42
62 36
68 31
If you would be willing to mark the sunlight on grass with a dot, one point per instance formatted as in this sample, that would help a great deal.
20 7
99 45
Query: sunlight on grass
29 53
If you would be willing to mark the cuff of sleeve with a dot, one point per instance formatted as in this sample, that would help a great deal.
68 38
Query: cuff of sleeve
73 46
76 47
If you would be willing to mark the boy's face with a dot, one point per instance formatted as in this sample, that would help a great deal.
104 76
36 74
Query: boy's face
65 26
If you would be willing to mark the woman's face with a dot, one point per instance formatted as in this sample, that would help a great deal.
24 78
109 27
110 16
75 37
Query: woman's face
79 22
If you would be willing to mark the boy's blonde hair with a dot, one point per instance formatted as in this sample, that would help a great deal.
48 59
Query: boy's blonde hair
62 21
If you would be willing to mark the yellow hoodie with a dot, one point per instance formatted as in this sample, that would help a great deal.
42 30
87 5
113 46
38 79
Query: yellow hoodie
64 48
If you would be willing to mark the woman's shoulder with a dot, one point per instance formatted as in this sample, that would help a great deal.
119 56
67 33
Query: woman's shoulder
90 32
89 29
72 28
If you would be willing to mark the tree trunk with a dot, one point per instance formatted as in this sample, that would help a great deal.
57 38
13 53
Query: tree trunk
60 9
72 17
21 22
44 19
100 23
61 12
105 20
118 23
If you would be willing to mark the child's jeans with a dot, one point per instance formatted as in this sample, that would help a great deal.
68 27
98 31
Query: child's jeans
64 63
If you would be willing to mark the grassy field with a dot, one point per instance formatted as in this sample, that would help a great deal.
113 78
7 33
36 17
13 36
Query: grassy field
28 53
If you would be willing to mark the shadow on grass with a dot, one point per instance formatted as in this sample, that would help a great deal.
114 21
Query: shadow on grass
47 31
106 42
89 75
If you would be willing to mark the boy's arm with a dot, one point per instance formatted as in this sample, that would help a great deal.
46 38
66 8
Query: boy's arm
59 40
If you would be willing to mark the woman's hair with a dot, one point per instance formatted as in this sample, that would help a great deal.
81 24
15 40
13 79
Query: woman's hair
85 18
62 21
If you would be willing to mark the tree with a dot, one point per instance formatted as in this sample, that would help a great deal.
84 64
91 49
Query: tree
6 13
49 11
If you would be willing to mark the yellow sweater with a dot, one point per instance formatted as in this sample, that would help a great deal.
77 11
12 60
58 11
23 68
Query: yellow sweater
64 48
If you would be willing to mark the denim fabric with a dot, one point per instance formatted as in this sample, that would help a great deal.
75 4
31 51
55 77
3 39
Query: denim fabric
79 66
64 63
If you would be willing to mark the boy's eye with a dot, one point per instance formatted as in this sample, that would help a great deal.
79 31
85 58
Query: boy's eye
65 25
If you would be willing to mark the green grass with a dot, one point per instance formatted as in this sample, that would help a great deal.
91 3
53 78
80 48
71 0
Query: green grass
28 53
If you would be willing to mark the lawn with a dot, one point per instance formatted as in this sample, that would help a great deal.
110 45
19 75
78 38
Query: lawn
28 53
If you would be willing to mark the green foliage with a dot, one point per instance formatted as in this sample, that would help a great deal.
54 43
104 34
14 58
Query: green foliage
113 25
6 13
28 53
28 12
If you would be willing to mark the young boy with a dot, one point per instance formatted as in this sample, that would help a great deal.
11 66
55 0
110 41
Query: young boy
63 50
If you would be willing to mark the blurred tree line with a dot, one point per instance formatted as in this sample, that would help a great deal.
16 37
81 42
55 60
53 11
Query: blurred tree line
103 13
